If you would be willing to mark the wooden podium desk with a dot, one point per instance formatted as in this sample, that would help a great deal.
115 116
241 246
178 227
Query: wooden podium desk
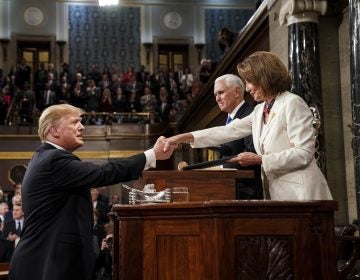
203 184
216 240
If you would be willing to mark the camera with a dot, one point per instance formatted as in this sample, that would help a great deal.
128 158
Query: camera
109 241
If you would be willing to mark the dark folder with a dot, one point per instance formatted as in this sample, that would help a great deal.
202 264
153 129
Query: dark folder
208 163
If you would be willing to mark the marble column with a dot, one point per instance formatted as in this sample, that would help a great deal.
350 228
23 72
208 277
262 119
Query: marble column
301 17
354 23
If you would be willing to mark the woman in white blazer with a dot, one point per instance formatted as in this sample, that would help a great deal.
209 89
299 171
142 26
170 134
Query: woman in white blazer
282 131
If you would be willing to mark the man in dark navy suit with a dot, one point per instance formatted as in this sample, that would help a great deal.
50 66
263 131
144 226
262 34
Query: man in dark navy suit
12 229
57 240
229 93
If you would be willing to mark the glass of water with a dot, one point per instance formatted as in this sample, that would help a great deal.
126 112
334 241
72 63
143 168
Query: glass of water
180 194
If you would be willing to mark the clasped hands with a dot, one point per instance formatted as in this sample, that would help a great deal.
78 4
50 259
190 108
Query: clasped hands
162 148
12 236
165 147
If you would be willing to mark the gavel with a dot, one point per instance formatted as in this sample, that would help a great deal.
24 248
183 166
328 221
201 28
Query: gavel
181 165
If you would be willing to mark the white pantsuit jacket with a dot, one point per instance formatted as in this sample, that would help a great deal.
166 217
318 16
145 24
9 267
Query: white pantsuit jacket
287 146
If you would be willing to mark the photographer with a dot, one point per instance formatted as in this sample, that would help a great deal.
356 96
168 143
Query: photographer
103 264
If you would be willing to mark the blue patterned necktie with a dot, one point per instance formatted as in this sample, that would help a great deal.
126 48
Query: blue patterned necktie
229 119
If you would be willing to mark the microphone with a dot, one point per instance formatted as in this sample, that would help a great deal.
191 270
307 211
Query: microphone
222 149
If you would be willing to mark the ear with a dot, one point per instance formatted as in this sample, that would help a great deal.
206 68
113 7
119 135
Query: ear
54 132
238 92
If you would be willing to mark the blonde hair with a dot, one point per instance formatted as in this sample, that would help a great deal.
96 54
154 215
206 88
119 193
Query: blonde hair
52 115
265 70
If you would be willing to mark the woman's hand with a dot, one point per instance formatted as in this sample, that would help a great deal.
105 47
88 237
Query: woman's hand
247 158
174 141
159 149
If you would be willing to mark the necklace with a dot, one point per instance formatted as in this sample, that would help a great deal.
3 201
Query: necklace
268 106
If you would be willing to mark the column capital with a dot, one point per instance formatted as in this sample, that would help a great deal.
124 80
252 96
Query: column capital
293 11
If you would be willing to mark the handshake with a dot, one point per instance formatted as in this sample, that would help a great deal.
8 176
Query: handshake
164 147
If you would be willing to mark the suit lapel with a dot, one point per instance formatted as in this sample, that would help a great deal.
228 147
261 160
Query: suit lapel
274 113
267 127
242 111
258 119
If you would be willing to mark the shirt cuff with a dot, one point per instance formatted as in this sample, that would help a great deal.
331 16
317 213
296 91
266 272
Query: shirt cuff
150 159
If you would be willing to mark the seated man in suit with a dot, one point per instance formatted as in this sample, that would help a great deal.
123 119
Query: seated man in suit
229 94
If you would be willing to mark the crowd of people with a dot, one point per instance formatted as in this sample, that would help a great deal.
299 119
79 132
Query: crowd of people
165 94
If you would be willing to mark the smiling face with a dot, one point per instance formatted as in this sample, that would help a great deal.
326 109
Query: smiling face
255 92
227 97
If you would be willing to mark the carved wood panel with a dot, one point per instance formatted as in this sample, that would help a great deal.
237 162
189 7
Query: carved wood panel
264 257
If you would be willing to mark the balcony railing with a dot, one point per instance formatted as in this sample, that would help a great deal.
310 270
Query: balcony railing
105 118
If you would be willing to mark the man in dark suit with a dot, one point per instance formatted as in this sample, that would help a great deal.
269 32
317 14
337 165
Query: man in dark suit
229 93
99 206
12 229
57 240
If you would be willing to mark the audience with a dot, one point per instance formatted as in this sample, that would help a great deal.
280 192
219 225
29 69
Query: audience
98 232
15 200
12 229
102 195
2 198
205 70
11 221
100 207
115 199
103 264
4 208
148 101
96 91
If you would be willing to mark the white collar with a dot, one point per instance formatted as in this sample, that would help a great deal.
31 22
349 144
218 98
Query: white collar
233 113
55 145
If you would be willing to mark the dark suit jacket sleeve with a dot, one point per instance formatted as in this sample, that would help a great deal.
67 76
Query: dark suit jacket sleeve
6 249
9 226
69 171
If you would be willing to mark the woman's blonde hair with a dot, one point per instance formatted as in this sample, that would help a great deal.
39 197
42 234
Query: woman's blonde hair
52 115
265 70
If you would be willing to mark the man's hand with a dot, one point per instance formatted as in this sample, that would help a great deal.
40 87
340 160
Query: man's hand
247 158
159 149
174 141
12 237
